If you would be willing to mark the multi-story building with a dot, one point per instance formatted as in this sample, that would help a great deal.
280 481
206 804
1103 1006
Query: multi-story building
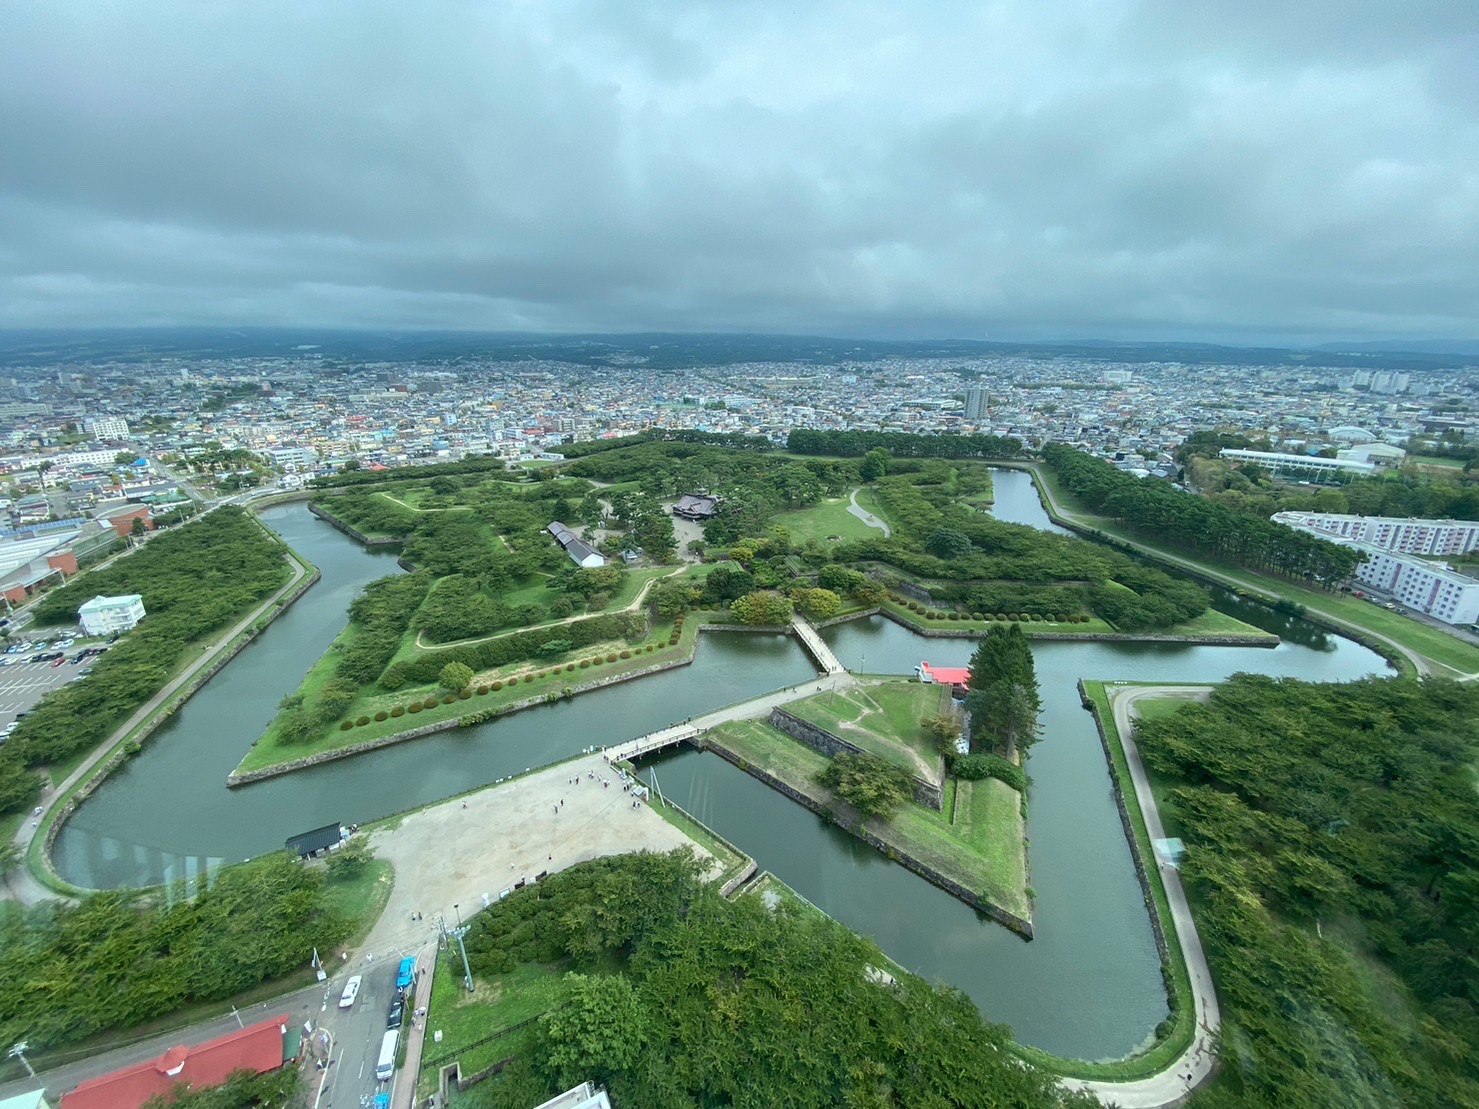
1428 587
1431 589
1391 533
1305 466
107 615
975 405
106 427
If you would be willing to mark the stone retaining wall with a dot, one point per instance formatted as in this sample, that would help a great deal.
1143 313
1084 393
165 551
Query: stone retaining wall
1129 826
354 533
1030 630
1008 920
830 744
235 779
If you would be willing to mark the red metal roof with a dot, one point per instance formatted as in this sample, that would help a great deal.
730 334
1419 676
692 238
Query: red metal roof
257 1048
946 675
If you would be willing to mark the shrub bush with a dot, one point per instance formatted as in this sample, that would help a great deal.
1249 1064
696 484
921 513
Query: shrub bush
382 715
999 616
626 654
362 721
957 616
650 648
448 698
597 661
462 695
482 691
497 685
414 707
1014 616
612 657
398 712
528 678
977 616
585 663
346 725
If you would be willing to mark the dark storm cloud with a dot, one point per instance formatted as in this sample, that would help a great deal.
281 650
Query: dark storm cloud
1257 169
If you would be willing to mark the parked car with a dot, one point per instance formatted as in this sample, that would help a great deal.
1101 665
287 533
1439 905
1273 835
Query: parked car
397 1012
58 661
351 991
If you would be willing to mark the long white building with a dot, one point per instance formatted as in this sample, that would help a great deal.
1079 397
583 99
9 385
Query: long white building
1305 466
1391 533
1428 587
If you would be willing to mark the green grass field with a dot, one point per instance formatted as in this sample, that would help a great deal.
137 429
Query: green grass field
883 719
825 521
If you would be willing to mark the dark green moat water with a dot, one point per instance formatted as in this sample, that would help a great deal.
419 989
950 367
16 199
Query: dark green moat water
1088 986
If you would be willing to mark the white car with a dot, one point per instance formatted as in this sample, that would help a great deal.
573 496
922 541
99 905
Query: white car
351 991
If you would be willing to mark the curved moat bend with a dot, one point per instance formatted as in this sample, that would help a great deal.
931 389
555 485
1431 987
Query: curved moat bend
1089 986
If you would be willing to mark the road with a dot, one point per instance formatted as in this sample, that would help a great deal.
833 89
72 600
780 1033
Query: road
1199 1060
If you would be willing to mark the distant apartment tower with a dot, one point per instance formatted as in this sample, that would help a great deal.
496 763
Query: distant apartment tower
107 615
976 401
1391 533
106 427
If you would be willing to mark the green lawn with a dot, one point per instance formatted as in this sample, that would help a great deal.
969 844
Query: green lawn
985 853
362 898
828 520
883 719
498 1002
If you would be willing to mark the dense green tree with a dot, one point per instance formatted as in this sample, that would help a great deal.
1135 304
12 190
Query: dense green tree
595 1030
455 677
947 543
873 786
764 607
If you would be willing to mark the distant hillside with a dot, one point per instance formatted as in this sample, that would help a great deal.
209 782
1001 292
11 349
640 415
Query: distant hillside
337 349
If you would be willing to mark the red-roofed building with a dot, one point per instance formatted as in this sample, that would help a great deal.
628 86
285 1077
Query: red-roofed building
957 677
258 1048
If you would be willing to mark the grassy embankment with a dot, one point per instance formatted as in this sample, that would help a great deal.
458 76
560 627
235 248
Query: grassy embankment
884 720
1450 657
983 849
520 681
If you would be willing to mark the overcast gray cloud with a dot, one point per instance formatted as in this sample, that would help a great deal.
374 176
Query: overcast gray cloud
1255 169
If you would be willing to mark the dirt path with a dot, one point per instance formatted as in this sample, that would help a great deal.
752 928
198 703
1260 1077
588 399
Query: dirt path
1197 1063
632 606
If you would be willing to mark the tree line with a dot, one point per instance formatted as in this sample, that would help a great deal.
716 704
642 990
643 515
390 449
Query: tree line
1160 511
1333 850
903 444
676 997
117 959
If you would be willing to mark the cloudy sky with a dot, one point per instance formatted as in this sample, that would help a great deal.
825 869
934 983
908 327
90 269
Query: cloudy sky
1222 169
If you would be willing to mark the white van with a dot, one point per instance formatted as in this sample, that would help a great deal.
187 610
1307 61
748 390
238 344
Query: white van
351 991
385 1066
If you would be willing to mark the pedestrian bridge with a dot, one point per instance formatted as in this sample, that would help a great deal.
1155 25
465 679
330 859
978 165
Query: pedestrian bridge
816 646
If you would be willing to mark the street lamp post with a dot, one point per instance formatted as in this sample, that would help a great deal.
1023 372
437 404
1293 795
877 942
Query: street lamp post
458 911
18 1051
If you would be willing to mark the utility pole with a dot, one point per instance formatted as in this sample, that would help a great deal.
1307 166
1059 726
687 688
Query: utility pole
466 970
18 1051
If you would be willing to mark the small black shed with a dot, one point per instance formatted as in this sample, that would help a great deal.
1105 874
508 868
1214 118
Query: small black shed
320 839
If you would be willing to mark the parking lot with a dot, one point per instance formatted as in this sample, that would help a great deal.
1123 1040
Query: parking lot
23 682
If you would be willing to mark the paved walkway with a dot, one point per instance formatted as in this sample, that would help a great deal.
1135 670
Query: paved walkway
21 885
867 517
1196 1064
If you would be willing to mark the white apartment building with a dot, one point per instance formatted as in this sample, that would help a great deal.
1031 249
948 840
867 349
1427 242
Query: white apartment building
1424 586
106 427
1428 587
107 615
1391 533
